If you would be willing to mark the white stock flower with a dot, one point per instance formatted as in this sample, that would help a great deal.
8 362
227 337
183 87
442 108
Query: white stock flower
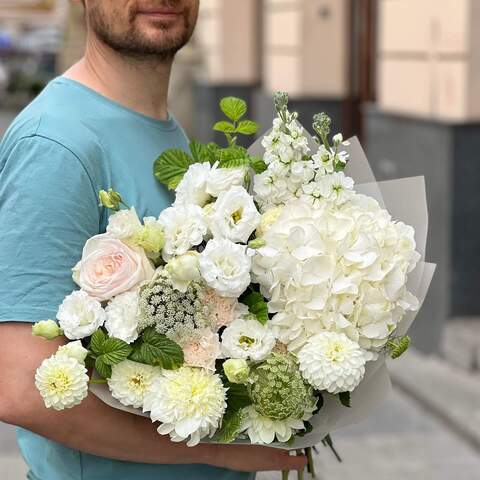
331 361
73 350
222 179
62 382
122 317
184 227
130 382
80 315
189 403
192 189
183 270
225 267
247 339
124 223
235 216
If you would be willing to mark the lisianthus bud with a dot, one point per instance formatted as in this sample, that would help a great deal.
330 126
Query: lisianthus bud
150 237
47 329
236 370
257 243
110 199
73 350
183 270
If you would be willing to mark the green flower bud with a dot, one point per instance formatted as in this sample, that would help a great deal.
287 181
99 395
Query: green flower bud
73 350
257 243
281 101
321 124
47 329
236 370
110 199
150 237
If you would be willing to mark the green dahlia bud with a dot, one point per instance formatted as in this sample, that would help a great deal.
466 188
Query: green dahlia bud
236 370
110 199
47 329
321 124
257 243
278 390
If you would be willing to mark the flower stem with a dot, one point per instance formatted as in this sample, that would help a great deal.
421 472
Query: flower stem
98 381
285 474
310 464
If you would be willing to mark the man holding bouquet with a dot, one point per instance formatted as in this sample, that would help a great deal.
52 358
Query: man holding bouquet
100 125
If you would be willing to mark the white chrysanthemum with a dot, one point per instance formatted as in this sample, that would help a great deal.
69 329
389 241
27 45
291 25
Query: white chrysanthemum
189 403
235 216
192 189
265 430
124 224
184 227
130 382
73 350
225 267
123 316
80 315
222 179
62 382
331 361
247 339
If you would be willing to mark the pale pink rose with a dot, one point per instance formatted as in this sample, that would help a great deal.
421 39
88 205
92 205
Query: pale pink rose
110 267
222 309
202 349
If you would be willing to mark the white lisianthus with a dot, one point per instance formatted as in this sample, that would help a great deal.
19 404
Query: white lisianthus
192 189
124 224
331 361
235 216
80 315
130 382
62 382
122 316
183 270
73 350
184 227
222 179
225 267
189 403
247 339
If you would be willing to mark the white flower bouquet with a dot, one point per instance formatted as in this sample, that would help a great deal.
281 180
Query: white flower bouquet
261 306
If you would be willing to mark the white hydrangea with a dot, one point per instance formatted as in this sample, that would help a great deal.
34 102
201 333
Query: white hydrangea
331 361
222 179
247 339
188 402
235 216
225 267
130 382
124 223
80 315
62 382
192 189
122 317
184 227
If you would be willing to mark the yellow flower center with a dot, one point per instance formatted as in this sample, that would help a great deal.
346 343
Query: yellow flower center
60 382
138 384
335 352
244 340
237 216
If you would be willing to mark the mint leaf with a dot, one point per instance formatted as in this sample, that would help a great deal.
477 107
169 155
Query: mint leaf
158 349
202 153
234 108
237 396
114 351
225 127
256 305
258 165
344 398
102 368
97 340
170 167
231 423
247 127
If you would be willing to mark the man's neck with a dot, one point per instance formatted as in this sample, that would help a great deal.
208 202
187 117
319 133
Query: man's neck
141 85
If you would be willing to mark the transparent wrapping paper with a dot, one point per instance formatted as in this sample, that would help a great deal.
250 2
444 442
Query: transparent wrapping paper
405 199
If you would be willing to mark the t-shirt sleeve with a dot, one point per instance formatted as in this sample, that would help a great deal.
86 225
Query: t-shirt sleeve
48 210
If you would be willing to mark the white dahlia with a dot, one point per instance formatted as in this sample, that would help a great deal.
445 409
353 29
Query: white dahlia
130 381
80 315
123 316
331 361
62 382
189 403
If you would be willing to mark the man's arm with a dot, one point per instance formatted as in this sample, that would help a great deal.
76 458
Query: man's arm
95 428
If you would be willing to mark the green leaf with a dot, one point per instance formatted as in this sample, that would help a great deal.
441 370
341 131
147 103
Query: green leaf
237 396
136 355
97 340
234 108
232 157
308 428
232 421
398 346
225 127
345 400
256 305
202 153
258 165
157 349
170 167
114 351
102 368
247 127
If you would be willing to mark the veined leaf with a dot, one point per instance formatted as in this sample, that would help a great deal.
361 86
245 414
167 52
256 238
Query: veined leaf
237 396
224 126
102 368
202 153
232 421
114 351
256 305
258 165
97 340
247 127
170 167
158 349
234 108
345 399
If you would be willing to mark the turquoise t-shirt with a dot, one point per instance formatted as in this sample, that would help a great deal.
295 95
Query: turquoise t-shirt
58 153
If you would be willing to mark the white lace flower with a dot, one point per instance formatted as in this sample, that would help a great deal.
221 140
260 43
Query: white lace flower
247 339
122 317
331 361
80 315
192 189
225 267
235 216
130 382
124 224
222 179
62 382
184 227
189 403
